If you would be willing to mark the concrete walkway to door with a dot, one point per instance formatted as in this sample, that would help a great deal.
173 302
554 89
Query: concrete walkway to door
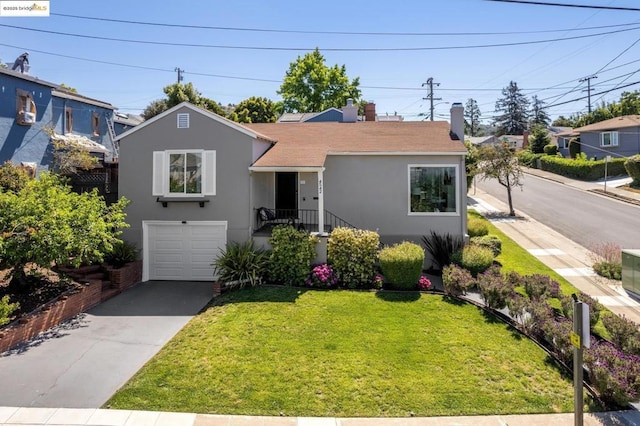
83 362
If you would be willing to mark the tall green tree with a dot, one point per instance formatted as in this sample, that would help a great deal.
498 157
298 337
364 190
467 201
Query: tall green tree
472 118
177 93
311 86
45 223
255 110
513 112
499 162
539 115
563 121
539 139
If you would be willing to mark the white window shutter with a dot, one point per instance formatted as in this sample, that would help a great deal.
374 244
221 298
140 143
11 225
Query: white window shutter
209 173
159 173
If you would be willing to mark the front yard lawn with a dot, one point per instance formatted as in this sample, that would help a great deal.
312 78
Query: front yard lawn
297 352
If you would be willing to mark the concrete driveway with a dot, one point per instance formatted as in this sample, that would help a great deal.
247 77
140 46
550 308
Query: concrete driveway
84 361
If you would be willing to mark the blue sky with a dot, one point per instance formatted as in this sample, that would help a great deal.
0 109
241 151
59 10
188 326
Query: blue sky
391 78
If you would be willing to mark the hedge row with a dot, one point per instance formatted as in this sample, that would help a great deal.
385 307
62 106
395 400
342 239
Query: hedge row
584 170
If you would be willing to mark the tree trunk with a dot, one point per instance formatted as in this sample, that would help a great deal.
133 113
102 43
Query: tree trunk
512 212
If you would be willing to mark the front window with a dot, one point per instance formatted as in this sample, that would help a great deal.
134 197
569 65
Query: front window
432 189
185 173
609 139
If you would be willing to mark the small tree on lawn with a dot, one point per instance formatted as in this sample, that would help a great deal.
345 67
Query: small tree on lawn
500 162
45 223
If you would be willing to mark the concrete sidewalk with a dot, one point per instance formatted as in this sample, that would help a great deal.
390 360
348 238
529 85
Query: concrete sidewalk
62 416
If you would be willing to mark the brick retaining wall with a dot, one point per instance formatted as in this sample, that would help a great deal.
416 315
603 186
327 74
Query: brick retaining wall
53 313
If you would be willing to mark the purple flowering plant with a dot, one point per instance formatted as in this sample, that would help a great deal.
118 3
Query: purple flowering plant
424 283
322 276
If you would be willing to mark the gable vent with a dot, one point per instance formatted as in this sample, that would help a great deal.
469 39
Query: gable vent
183 121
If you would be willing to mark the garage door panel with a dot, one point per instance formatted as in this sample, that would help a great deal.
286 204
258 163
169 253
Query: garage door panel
184 251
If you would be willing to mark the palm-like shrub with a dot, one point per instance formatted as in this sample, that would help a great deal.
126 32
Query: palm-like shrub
121 253
241 264
441 247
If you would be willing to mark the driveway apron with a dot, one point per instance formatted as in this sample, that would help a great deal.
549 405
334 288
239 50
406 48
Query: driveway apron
83 362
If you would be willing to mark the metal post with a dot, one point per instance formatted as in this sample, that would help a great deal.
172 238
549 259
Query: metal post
606 162
577 362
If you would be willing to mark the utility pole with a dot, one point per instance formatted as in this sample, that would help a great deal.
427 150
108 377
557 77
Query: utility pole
588 80
430 97
180 76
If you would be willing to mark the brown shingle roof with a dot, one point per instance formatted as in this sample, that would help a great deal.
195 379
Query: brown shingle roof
307 144
611 124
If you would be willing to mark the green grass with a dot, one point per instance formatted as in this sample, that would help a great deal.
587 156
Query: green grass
273 350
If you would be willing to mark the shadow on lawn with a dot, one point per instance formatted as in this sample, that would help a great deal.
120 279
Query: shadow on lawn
264 293
398 296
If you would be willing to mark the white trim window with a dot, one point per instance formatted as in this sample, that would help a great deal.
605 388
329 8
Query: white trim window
609 139
184 173
433 189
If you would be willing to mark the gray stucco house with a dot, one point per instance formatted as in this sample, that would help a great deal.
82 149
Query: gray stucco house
618 136
197 181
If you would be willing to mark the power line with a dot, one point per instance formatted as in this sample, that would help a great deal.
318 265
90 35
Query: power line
583 6
330 49
366 33
595 94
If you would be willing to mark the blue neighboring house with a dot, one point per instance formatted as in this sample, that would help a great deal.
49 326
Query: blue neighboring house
347 114
31 108
618 136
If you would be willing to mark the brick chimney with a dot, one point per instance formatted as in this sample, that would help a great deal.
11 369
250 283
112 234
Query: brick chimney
370 112
457 120
349 112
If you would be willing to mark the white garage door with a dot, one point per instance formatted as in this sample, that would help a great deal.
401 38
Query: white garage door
182 251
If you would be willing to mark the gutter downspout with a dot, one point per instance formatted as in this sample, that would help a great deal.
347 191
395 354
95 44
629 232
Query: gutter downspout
321 201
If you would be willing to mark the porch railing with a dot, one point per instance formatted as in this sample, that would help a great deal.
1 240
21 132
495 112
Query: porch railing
303 219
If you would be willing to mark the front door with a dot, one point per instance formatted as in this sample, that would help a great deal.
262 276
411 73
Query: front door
286 195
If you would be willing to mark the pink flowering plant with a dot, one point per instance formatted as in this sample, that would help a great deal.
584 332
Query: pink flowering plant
322 276
378 281
424 283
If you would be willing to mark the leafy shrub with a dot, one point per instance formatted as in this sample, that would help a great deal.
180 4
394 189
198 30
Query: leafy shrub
528 158
517 305
456 281
441 247
12 177
322 276
353 254
401 264
240 264
595 307
6 309
539 287
291 254
551 149
606 260
492 242
582 169
474 258
477 227
608 270
632 166
624 333
615 375
557 332
121 253
539 139
494 289
538 315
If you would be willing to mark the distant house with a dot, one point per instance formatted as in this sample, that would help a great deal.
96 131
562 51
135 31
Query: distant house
197 180
335 115
618 136
32 111
482 141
